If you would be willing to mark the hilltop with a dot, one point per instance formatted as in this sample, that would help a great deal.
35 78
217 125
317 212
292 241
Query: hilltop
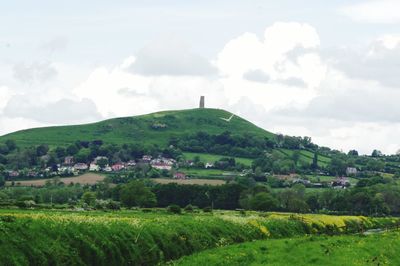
155 128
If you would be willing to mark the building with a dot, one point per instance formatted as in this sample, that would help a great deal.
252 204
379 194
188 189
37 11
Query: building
209 165
131 163
117 167
161 166
94 167
179 175
351 171
69 160
81 167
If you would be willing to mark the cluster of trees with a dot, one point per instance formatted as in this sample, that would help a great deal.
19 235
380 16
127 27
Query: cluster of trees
246 145
371 196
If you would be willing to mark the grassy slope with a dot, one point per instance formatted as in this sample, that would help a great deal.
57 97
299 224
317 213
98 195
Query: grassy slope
138 128
378 249
307 156
211 158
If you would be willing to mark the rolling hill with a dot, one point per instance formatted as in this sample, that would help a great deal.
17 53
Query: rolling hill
155 128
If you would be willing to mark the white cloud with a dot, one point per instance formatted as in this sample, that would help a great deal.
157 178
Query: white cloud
378 61
63 111
375 11
36 71
170 56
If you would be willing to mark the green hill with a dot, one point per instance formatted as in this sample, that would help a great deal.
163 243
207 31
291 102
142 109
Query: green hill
155 128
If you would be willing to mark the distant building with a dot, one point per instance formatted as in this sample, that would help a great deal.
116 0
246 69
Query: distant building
94 167
179 175
209 165
117 167
161 166
351 171
81 167
131 163
69 160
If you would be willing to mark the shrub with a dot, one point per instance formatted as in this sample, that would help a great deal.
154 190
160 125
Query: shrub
207 209
189 208
174 209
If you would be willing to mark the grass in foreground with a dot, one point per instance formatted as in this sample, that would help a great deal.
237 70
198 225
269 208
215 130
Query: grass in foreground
35 237
378 249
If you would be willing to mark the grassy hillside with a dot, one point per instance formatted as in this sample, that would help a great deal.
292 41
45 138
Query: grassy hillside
155 128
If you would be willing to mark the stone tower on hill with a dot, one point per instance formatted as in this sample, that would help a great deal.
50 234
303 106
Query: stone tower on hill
202 102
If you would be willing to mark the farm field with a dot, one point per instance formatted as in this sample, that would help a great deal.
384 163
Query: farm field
374 249
210 158
88 178
197 181
134 237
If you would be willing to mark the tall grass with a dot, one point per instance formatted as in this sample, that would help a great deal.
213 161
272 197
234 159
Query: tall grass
62 238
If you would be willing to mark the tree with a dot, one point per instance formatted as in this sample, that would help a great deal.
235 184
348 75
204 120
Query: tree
263 201
2 180
42 150
11 144
296 157
314 164
352 153
102 163
135 193
376 153
89 198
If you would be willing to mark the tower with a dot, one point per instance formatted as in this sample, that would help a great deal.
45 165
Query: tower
202 102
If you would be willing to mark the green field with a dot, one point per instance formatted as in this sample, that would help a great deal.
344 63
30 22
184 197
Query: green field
307 156
375 249
207 173
211 158
46 237
139 129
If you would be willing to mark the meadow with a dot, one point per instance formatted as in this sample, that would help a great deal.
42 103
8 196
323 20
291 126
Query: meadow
150 236
211 158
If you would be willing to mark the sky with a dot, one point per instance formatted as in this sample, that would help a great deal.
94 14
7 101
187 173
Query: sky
324 69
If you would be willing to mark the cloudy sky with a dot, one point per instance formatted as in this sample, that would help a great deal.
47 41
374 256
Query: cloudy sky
325 69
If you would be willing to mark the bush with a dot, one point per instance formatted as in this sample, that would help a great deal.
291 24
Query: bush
207 209
174 209
189 208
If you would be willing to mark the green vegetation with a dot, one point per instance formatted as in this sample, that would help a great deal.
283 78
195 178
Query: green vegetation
211 158
139 129
375 249
151 237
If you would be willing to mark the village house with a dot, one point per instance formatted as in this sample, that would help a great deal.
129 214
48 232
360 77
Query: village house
13 173
80 167
146 159
209 165
69 160
131 163
117 167
179 175
161 166
94 167
340 182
